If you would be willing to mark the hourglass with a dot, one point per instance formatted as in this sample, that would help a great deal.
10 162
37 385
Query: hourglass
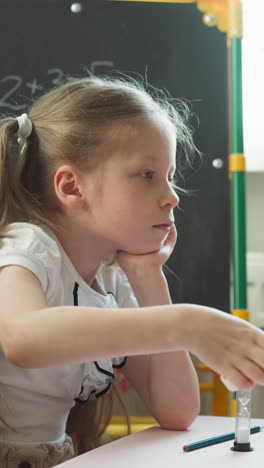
242 427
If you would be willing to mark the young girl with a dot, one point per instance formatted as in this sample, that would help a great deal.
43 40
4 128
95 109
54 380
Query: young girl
92 177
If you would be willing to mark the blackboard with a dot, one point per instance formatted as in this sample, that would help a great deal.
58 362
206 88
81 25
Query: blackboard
167 43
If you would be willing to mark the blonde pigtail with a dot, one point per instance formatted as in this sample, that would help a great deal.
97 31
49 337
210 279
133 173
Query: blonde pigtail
8 128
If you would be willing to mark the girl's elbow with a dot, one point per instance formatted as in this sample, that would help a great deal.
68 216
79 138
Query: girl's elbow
182 420
179 424
13 350
186 421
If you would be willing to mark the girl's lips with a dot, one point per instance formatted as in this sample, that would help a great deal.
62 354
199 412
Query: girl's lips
164 227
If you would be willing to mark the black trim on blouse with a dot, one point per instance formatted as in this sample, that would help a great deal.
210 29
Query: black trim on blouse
118 366
103 371
81 402
110 292
99 394
75 294
100 369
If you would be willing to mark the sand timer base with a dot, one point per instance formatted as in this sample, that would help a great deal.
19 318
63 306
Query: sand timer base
242 447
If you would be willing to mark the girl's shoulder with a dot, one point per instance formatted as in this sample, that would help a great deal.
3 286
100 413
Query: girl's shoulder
32 247
28 238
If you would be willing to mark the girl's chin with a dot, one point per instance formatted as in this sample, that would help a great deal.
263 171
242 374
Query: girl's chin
149 245
146 249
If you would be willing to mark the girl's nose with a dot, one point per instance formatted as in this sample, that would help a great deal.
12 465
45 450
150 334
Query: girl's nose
171 199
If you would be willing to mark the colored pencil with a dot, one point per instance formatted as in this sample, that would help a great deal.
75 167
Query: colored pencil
216 440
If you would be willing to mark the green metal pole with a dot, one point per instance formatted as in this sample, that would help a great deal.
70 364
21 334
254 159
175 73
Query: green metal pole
237 173
238 241
238 181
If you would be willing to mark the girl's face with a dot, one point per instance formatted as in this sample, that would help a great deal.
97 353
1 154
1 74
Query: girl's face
131 206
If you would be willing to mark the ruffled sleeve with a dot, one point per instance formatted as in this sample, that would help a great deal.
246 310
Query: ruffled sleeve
31 247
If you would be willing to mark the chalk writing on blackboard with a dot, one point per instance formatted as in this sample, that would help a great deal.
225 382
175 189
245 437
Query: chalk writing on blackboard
13 84
97 65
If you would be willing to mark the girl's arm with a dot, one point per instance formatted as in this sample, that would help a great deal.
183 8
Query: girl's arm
167 382
33 335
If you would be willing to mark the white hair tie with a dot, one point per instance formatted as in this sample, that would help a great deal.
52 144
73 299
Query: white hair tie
24 127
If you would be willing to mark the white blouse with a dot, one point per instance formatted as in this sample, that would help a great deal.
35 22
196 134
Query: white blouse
36 402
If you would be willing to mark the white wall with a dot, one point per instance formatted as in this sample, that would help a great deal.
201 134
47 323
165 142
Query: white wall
253 86
255 211
255 243
253 83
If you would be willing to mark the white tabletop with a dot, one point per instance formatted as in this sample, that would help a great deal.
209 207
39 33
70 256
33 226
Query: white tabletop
159 448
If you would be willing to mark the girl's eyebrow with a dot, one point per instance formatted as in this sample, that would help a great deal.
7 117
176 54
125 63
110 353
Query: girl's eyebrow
144 160
155 159
150 158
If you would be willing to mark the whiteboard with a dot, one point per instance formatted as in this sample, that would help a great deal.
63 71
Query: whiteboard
253 83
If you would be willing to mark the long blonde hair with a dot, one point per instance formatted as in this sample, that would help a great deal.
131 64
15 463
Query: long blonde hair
71 123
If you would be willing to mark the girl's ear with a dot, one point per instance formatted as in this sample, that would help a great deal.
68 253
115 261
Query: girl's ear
67 186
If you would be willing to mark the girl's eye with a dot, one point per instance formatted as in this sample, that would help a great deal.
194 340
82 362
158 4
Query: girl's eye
147 174
172 179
